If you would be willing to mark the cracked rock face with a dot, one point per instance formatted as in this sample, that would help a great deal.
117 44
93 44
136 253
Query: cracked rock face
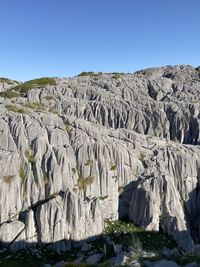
101 147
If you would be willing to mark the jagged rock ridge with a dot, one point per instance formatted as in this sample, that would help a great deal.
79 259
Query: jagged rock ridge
97 147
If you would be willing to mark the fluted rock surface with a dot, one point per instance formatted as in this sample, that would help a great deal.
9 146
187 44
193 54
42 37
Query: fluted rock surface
100 147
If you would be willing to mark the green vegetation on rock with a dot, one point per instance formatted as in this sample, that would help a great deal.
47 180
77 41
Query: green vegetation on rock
22 173
83 183
8 179
34 105
89 73
9 94
30 156
41 82
127 232
16 109
113 167
8 81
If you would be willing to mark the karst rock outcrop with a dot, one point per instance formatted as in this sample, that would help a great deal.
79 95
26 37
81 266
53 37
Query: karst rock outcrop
101 146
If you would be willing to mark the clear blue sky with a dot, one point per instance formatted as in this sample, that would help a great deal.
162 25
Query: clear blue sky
65 37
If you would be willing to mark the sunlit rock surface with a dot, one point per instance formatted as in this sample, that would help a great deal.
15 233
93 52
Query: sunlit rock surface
98 147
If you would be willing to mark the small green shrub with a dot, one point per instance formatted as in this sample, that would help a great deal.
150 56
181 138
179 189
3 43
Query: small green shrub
128 233
103 197
118 73
16 109
89 73
113 167
30 156
22 173
9 94
41 82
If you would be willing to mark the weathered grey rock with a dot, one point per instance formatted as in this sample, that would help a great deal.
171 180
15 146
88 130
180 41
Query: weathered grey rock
103 147
12 235
170 252
118 248
164 263
94 259
85 247
120 259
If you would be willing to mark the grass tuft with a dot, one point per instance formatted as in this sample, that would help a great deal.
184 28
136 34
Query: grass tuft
35 105
83 183
8 179
30 156
113 167
22 173
16 109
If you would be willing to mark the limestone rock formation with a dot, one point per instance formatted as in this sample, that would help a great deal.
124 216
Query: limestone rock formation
81 150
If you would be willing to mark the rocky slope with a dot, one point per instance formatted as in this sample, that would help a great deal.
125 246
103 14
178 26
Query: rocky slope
77 151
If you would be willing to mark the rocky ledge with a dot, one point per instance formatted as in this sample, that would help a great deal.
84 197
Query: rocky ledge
76 152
